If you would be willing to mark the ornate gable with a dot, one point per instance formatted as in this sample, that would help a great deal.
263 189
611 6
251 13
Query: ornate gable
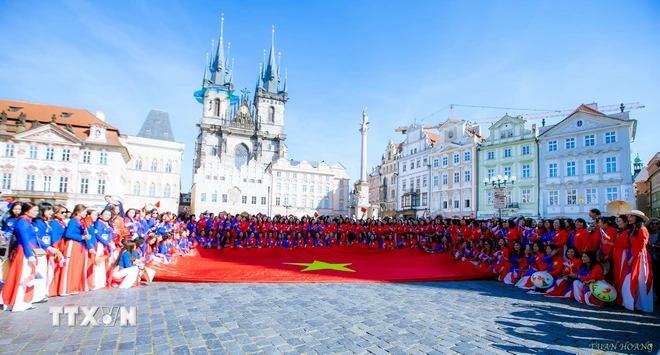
243 117
48 134
578 123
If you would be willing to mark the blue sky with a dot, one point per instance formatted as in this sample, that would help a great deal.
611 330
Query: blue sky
399 62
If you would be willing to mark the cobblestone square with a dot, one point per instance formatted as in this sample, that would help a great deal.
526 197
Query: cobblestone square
473 317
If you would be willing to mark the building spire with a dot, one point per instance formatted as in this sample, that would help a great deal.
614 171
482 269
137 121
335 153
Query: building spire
271 78
286 75
218 69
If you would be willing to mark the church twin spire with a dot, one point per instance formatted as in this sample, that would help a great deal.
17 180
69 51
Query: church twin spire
221 74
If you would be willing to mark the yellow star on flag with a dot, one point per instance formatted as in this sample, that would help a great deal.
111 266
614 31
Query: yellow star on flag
320 265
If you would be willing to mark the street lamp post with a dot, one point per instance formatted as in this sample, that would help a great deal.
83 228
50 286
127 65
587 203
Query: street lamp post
287 209
500 182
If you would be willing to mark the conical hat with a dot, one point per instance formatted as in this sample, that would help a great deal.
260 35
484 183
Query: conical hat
618 207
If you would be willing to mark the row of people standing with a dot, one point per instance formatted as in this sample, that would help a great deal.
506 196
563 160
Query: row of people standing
52 257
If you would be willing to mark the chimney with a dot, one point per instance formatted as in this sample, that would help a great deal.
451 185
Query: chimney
100 115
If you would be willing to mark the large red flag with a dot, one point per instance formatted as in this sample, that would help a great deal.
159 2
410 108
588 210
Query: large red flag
356 263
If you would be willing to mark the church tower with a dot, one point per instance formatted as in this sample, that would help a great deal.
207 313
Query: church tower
238 138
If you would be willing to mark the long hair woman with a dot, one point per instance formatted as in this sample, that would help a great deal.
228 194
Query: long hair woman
637 288
18 293
72 278
126 270
46 265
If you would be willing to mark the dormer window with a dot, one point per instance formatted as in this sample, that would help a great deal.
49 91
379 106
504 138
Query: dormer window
14 108
66 114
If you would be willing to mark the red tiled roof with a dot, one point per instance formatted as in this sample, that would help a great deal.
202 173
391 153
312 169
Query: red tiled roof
432 138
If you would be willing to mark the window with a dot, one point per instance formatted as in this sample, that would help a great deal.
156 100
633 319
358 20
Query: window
491 155
279 187
456 204
303 203
435 163
610 137
412 165
203 196
590 140
570 168
467 175
457 158
404 166
168 167
224 198
66 154
553 198
84 185
552 170
507 171
525 150
29 182
552 146
435 180
424 182
254 200
467 204
136 189
610 165
466 156
457 177
612 194
311 189
326 203
50 153
87 157
592 194
278 174
418 184
341 206
64 184
571 197
167 191
425 199
33 152
263 200
138 164
526 196
295 187
244 200
154 165
445 161
489 198
507 152
418 163
294 175
47 181
152 190
590 165
277 201
286 187
445 179
103 158
9 150
101 187
491 173
341 191
6 181
526 170
570 143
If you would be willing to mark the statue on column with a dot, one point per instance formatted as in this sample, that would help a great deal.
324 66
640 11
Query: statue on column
365 119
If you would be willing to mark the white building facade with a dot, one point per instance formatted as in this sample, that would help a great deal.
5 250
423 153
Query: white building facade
453 170
414 172
585 162
303 188
59 155
154 172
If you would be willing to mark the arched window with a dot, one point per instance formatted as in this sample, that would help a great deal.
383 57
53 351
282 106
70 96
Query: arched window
271 114
138 164
154 165
136 189
216 107
166 191
168 166
240 156
214 151
152 190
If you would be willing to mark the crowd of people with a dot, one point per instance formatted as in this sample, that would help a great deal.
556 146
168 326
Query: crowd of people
54 252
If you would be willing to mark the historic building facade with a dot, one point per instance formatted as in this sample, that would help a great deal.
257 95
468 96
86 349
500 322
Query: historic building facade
510 151
374 190
585 162
453 170
653 186
60 155
389 171
303 188
154 172
414 171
